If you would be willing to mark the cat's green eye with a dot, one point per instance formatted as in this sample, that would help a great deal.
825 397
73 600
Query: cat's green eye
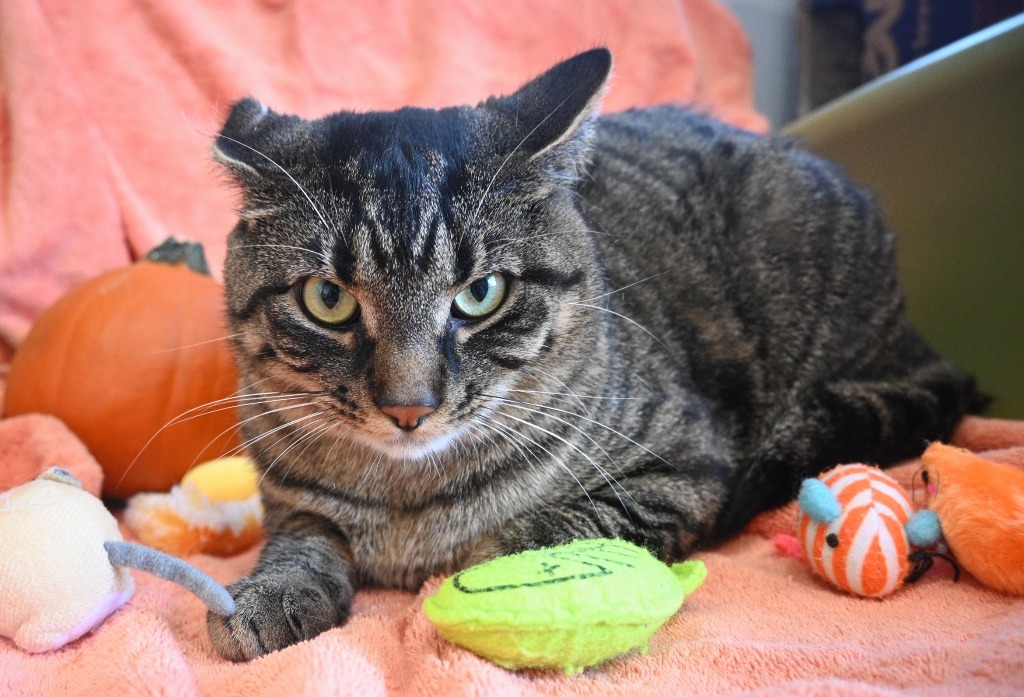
481 298
326 301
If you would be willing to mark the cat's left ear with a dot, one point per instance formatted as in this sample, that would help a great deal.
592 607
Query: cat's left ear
550 119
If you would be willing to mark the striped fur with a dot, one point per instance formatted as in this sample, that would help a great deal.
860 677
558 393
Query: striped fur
871 553
697 319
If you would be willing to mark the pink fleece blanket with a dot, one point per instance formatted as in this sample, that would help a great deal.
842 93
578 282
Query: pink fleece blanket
110 105
760 625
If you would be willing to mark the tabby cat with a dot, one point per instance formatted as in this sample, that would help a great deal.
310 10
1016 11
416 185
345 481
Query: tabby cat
470 331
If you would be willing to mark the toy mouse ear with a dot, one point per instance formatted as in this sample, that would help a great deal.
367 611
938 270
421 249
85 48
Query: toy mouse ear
818 502
60 475
923 529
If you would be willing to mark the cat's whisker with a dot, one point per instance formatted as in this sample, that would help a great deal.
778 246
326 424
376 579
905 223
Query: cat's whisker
372 468
301 438
560 382
609 429
489 428
244 401
438 469
226 337
507 434
463 442
323 258
246 444
619 290
250 385
536 409
190 414
609 479
237 427
512 434
233 400
576 396
327 425
479 431
482 435
345 435
646 384
480 438
564 466
233 397
250 443
631 321
293 180
231 403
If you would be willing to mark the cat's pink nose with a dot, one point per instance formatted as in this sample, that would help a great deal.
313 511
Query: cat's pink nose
407 417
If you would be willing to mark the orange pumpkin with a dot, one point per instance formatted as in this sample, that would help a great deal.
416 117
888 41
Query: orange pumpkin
123 358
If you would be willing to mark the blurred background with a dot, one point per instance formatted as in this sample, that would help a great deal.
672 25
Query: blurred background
809 52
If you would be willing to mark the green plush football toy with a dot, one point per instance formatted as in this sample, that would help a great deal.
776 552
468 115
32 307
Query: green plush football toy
568 607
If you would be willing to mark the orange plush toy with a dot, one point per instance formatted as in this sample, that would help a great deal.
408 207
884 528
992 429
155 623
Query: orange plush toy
978 506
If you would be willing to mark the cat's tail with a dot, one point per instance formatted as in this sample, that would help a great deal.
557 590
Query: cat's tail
877 421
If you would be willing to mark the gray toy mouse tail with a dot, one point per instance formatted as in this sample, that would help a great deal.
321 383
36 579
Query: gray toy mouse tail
172 569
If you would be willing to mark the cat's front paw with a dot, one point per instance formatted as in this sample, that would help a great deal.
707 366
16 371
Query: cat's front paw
273 612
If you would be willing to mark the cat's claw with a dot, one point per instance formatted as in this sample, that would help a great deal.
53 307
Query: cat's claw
272 613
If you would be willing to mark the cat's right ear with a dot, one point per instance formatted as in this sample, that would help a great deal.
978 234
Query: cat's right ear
238 145
550 119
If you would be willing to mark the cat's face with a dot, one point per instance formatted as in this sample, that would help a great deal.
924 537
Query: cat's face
407 268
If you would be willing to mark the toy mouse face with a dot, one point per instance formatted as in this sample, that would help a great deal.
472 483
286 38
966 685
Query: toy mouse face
978 506
851 528
56 580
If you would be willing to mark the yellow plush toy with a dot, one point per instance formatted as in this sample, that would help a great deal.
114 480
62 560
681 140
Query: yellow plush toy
215 510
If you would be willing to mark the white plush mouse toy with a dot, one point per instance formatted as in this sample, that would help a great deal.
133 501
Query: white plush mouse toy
63 564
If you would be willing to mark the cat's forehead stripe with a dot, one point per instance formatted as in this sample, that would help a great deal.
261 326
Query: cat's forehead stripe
385 242
399 201
404 174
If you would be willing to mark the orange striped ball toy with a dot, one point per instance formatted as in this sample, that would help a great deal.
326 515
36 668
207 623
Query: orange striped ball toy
851 529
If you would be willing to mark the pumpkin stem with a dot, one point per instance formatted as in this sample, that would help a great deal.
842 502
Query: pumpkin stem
173 251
